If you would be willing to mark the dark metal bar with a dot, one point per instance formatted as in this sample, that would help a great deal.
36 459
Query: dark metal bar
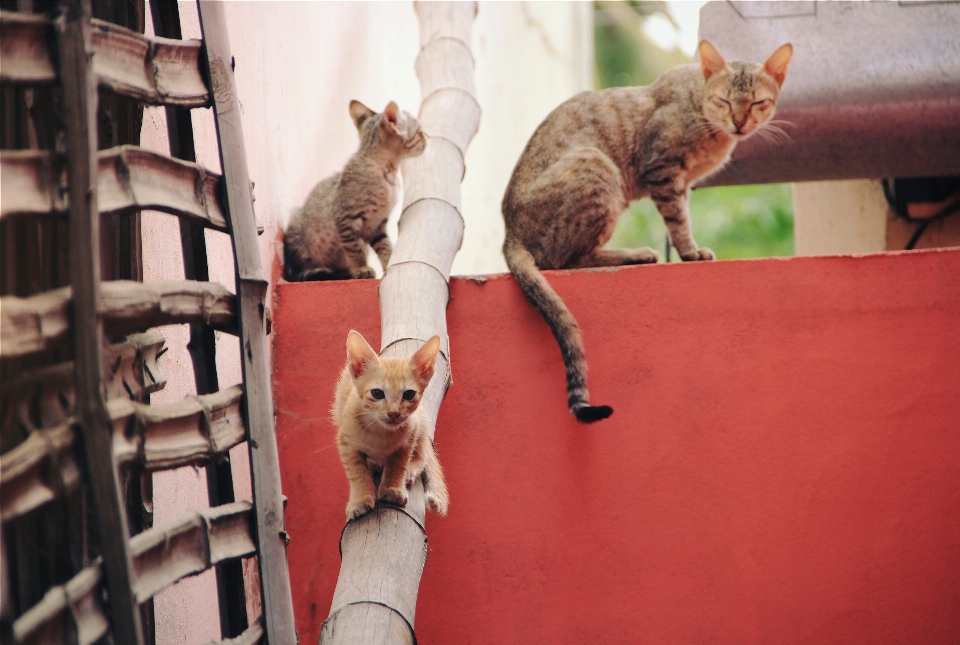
202 345
871 91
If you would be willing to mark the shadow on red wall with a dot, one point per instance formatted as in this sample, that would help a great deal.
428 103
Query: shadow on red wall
782 466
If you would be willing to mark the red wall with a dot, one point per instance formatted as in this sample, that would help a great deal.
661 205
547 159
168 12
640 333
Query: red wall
782 466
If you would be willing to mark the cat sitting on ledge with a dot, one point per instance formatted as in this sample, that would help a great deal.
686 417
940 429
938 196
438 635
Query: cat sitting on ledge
598 151
327 238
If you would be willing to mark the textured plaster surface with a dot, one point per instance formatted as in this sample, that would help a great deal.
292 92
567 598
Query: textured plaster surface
780 467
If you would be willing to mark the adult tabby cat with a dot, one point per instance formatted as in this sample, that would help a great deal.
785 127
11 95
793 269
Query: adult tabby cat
598 151
327 239
380 427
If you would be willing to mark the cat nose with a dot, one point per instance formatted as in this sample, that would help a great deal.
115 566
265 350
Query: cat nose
393 414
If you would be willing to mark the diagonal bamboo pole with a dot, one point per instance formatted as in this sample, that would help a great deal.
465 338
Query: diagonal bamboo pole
384 551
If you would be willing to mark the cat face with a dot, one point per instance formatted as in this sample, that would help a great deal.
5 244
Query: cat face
390 388
739 98
397 129
401 129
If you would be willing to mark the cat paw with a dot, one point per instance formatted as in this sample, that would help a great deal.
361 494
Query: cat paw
396 496
703 253
316 274
360 507
438 505
644 255
364 273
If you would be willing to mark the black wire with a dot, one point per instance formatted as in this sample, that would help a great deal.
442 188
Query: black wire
921 227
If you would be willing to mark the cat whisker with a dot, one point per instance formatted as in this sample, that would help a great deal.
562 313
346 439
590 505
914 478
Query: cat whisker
772 135
776 133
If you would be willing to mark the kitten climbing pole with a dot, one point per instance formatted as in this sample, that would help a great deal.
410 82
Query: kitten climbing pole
384 551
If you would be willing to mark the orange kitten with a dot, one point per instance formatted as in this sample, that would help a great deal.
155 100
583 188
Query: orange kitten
380 427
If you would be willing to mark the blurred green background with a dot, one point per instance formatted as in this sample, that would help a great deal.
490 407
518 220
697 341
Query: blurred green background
734 221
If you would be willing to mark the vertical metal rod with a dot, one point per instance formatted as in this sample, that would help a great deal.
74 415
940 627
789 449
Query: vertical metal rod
203 343
80 107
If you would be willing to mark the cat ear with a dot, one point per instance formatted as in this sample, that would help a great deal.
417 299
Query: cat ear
776 65
711 62
391 113
360 356
359 113
424 359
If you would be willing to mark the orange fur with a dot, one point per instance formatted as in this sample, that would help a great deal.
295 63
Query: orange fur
381 427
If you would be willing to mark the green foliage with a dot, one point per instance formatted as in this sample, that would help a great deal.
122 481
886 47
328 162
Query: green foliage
624 58
734 221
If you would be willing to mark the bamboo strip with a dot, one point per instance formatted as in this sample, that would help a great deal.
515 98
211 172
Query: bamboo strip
24 49
156 71
129 178
31 325
131 369
162 555
69 613
39 470
190 545
194 431
31 183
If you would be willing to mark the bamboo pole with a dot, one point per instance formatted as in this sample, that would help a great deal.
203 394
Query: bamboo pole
384 551
72 29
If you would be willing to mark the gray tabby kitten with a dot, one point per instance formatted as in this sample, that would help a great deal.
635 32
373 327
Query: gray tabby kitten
598 151
327 239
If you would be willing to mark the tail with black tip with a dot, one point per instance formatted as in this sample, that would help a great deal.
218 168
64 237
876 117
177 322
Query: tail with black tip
564 327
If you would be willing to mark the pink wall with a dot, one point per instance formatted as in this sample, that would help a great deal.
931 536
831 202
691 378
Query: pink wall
783 463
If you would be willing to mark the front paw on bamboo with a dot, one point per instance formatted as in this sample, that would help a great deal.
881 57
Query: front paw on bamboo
396 496
360 507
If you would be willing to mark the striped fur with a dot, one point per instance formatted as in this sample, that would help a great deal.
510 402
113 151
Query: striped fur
327 239
598 151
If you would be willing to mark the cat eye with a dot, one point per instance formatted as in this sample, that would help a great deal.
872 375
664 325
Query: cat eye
765 103
408 395
376 393
720 103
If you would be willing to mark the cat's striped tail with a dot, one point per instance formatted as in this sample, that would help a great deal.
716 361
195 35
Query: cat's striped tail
563 325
